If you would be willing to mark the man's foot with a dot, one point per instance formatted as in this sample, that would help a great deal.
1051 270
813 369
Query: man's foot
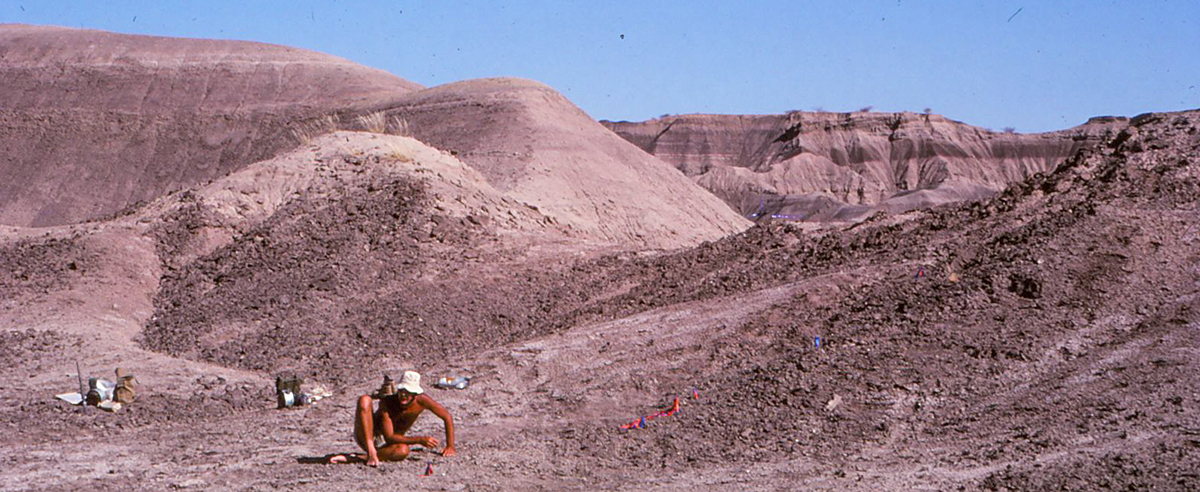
339 459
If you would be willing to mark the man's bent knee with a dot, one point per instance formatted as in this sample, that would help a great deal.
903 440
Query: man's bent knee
393 452
364 401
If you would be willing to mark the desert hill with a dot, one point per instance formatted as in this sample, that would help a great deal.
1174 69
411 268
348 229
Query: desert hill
98 122
95 121
314 262
533 144
845 166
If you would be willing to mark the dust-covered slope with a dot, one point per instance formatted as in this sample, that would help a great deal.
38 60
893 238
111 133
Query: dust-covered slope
93 121
1038 339
537 147
1042 339
845 166
360 250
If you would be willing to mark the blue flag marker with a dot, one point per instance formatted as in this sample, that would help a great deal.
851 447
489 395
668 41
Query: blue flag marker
817 342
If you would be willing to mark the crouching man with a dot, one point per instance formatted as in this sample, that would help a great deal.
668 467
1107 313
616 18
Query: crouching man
381 433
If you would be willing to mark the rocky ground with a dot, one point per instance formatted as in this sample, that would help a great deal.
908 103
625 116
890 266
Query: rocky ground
1045 338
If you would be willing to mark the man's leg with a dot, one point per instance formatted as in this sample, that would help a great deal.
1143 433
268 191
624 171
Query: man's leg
364 431
364 422
393 452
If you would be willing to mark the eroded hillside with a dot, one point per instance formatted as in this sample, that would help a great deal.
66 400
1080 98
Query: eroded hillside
94 122
846 166
534 145
98 123
1037 339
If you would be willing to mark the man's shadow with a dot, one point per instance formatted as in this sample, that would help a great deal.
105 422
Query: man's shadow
324 460
353 458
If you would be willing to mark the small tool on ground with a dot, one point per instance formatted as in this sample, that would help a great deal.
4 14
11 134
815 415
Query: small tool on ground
82 388
641 423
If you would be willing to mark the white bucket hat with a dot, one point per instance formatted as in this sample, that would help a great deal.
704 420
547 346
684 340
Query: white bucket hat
411 382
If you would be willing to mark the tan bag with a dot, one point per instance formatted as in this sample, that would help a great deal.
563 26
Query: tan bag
388 388
126 386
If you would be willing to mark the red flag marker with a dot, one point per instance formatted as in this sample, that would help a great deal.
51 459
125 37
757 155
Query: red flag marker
428 469
695 394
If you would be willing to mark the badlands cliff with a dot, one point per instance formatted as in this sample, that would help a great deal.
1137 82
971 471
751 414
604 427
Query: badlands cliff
844 166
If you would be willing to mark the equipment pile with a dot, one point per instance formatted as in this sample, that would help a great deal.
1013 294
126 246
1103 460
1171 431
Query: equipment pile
289 392
103 393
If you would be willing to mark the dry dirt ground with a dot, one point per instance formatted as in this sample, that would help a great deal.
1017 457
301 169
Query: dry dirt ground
1043 339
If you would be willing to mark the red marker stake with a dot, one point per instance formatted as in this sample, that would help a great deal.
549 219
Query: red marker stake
428 469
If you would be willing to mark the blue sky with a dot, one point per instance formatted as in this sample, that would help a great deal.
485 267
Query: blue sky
1034 66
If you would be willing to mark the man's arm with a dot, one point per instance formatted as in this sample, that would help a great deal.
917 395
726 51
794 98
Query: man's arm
388 430
441 412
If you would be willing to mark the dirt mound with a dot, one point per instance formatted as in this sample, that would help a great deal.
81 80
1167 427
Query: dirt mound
96 121
352 253
846 166
534 145
35 266
310 253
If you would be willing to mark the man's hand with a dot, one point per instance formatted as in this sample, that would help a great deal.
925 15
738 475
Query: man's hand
449 451
373 460
428 442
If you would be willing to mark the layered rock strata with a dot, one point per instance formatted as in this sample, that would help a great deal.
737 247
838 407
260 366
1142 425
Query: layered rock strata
91 121
845 166
536 146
